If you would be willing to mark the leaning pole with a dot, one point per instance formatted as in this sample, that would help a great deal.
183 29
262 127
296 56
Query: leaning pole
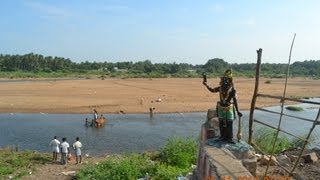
254 98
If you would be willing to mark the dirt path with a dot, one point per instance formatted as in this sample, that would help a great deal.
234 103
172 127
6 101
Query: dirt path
53 171
138 95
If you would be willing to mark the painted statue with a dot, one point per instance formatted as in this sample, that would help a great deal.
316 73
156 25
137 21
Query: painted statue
227 105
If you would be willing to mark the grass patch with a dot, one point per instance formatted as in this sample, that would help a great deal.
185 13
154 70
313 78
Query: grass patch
299 142
294 108
174 159
265 139
18 164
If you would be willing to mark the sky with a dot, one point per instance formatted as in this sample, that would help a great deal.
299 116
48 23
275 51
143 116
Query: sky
163 31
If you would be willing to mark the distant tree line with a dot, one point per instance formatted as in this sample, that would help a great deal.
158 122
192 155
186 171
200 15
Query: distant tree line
36 63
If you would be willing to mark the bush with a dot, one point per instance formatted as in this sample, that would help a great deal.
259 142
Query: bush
167 172
179 152
174 159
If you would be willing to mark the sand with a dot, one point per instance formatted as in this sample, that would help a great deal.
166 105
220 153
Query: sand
133 96
116 95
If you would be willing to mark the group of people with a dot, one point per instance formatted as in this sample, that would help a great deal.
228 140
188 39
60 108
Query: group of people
64 149
226 111
95 117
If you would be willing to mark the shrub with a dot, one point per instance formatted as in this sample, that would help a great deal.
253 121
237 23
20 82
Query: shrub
167 172
174 159
179 152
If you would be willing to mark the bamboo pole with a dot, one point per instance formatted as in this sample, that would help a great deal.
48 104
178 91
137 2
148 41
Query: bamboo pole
254 98
282 105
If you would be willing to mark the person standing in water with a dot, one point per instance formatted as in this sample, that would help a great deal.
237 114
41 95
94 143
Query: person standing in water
95 114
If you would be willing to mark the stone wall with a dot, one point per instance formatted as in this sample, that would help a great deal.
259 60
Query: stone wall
220 160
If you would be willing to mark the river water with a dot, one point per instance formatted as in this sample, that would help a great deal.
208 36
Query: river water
129 132
122 132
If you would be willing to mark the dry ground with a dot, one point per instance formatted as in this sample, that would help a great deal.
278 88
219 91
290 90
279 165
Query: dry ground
132 96
306 171
138 95
52 171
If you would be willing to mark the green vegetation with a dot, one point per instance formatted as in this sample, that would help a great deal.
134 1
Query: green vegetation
18 164
38 66
179 152
174 159
265 139
266 136
300 142
294 108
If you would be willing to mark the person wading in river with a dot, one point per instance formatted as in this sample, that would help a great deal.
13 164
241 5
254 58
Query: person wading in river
226 106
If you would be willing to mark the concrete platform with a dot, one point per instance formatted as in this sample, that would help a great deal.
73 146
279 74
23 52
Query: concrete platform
224 165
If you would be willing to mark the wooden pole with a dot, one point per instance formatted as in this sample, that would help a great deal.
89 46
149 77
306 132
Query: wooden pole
254 98
282 106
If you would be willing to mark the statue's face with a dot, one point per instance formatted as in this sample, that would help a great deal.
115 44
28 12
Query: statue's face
225 83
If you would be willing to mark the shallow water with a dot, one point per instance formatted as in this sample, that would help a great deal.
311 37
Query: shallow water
122 133
292 125
129 132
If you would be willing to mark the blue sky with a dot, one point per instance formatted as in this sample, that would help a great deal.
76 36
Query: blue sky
181 31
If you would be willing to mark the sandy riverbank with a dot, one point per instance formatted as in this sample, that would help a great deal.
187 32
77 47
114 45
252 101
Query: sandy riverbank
138 95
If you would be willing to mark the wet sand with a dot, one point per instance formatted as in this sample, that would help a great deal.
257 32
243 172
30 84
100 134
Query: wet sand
138 95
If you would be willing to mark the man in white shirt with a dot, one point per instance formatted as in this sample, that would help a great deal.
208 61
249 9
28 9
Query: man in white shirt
54 144
64 147
77 148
